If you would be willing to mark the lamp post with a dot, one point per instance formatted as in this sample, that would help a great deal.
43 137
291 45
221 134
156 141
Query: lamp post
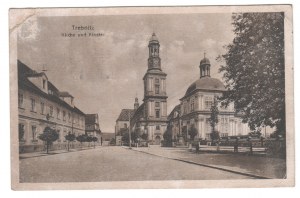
129 131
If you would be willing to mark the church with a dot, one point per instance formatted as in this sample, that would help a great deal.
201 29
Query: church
150 118
195 108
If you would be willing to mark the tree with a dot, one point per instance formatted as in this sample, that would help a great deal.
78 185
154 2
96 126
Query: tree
81 138
89 139
168 136
94 139
125 137
144 136
21 132
214 112
70 138
49 135
254 70
193 132
214 135
134 136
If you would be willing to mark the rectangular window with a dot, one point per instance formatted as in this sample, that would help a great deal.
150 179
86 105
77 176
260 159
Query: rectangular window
59 135
156 89
20 100
69 117
208 127
42 108
157 127
157 113
51 110
44 84
58 113
32 105
156 81
64 115
192 105
208 102
157 104
33 131
207 136
21 132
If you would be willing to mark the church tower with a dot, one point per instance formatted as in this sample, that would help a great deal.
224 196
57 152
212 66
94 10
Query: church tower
204 67
136 103
155 95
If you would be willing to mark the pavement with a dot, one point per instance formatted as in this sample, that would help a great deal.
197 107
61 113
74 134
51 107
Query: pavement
43 153
114 164
249 165
254 166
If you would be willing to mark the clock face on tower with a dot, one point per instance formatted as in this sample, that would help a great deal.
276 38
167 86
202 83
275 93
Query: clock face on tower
155 62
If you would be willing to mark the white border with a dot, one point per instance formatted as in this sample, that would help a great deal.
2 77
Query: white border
4 72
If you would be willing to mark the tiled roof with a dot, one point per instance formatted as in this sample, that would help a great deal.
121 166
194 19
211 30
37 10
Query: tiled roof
124 115
35 74
64 94
24 83
207 84
171 115
138 114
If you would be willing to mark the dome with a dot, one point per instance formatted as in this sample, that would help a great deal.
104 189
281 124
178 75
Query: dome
206 83
204 61
153 38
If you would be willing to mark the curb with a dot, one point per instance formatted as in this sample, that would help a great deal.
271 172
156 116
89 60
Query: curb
50 154
206 165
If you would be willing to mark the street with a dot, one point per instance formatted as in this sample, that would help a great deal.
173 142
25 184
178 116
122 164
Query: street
113 164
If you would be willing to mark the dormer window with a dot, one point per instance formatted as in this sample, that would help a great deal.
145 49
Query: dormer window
44 84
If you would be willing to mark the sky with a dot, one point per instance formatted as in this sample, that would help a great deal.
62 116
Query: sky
105 73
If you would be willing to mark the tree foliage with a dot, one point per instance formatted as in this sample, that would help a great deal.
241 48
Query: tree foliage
49 135
214 136
70 138
21 132
254 69
193 132
168 136
134 136
81 138
214 113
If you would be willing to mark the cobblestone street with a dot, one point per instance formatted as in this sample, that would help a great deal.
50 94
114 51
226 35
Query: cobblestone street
114 164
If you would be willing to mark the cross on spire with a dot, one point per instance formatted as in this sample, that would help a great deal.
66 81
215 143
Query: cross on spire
204 53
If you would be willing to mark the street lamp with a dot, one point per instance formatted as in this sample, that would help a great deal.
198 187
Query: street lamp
129 131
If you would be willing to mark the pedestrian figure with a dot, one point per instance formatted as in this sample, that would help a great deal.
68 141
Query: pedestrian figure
251 149
197 148
236 145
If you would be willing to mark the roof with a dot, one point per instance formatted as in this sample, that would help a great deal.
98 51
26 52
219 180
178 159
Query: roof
138 114
171 115
124 115
206 83
153 38
155 71
24 83
36 74
205 61
64 94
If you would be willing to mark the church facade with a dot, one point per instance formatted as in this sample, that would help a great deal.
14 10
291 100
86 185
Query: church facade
194 109
151 116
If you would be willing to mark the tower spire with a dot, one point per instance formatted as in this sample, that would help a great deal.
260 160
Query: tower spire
204 66
154 59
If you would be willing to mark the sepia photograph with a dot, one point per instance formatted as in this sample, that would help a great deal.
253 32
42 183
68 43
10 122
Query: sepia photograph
152 97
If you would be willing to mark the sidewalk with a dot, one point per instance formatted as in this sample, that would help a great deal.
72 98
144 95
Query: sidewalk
257 166
43 153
